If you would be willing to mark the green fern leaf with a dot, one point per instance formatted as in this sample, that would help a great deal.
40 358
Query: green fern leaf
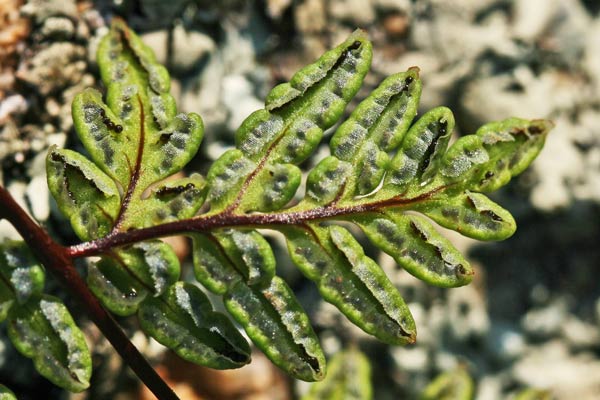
241 266
135 140
40 326
43 330
153 266
382 164
271 142
21 276
533 394
183 319
384 170
452 385
349 378
6 393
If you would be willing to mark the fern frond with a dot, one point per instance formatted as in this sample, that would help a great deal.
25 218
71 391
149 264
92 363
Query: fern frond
387 174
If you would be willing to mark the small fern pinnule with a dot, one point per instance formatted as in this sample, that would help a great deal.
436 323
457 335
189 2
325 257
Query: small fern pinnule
135 140
388 174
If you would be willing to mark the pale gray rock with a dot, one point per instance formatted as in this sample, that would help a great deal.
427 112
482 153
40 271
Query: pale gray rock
411 358
189 47
202 94
66 98
577 175
55 67
10 143
464 9
39 197
552 192
276 8
39 10
591 58
552 367
532 17
59 28
402 6
467 315
237 53
18 191
12 105
546 322
239 100
93 43
489 388
462 39
356 12
580 334
518 93
310 16
505 342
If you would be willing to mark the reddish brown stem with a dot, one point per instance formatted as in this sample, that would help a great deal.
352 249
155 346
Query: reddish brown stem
59 262
228 219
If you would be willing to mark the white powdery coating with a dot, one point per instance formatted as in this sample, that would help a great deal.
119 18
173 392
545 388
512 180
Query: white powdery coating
365 269
295 324
21 281
231 175
158 108
458 166
12 260
158 265
354 137
129 91
491 138
185 302
261 135
60 320
97 280
250 253
187 344
463 162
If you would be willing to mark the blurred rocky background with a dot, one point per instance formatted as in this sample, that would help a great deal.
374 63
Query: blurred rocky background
531 318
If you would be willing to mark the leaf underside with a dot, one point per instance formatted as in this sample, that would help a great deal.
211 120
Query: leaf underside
40 326
387 175
136 141
43 330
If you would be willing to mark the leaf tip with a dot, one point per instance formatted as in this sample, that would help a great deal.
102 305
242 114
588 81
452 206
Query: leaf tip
414 70
464 275
540 127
